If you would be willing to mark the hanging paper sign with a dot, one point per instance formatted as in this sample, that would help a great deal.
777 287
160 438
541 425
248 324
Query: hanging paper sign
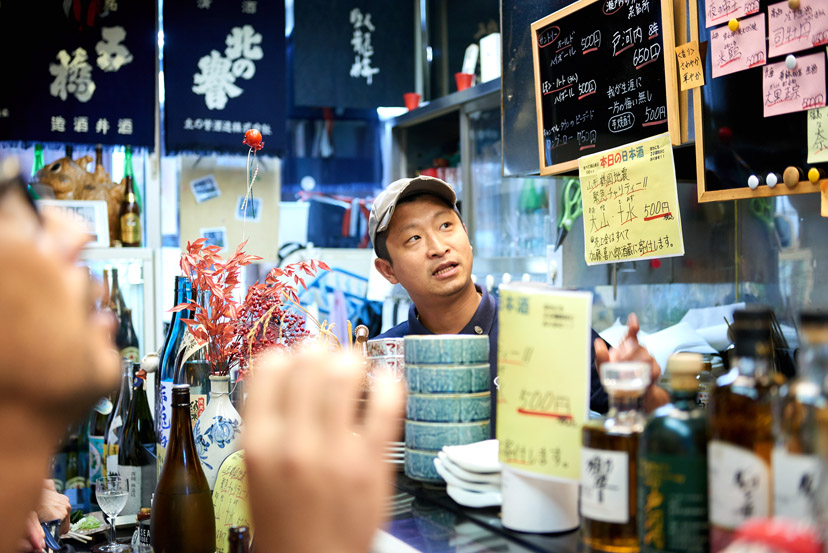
357 54
630 200
78 72
798 89
224 73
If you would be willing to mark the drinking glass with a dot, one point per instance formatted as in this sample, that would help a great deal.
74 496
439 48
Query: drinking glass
112 492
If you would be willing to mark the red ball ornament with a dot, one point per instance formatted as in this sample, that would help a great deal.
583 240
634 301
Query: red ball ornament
253 138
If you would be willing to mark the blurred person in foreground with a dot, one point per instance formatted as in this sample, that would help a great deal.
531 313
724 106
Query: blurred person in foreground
55 353
316 473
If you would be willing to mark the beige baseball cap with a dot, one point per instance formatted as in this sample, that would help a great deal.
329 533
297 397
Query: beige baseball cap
386 201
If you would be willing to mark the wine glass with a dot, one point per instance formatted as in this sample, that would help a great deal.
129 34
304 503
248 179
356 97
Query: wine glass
112 492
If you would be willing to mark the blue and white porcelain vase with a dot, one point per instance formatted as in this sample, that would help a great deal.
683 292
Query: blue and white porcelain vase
218 430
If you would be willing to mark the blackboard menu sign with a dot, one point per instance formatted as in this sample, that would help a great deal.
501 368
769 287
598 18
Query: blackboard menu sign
605 76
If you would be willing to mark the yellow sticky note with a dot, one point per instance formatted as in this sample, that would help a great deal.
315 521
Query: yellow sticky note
230 499
691 71
630 200
818 135
543 378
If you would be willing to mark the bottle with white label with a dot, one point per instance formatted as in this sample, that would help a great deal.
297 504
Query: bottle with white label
741 430
136 456
609 461
192 367
797 467
166 370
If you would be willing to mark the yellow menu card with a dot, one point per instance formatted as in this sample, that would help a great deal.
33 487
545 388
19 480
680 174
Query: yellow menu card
230 499
543 378
631 208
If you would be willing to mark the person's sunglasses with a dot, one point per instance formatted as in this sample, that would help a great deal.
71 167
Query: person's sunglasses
11 179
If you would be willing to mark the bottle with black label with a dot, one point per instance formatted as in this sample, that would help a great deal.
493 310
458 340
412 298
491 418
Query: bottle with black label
117 418
672 467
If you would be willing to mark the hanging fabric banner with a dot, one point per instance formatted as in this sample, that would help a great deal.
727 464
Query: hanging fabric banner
224 72
353 53
78 71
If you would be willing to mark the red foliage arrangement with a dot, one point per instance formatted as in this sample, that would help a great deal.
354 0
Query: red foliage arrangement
266 318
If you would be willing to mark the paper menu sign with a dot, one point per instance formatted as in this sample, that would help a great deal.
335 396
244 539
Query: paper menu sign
691 70
230 498
789 90
731 52
543 374
722 11
818 135
794 30
630 202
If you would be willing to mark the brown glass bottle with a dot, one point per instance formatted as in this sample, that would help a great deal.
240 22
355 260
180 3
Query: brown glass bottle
183 520
609 462
130 211
740 426
239 540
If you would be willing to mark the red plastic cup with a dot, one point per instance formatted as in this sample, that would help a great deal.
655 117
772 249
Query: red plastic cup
412 100
464 80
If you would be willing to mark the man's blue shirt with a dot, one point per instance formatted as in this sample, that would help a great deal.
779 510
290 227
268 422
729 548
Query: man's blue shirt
484 321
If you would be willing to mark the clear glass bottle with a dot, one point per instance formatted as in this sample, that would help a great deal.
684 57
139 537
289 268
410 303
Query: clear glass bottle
672 467
740 422
609 460
193 368
797 467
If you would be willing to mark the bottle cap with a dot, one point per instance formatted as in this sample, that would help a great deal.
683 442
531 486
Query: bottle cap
181 395
683 368
752 330
631 376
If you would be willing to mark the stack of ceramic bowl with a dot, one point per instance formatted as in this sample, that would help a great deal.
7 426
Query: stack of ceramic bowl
385 356
448 398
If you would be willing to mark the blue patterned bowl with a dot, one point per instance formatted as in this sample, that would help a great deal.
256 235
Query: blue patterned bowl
434 435
419 465
446 348
447 379
448 407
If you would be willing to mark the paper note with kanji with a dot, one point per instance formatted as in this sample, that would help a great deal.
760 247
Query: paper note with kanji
818 135
691 71
631 208
230 498
543 378
799 89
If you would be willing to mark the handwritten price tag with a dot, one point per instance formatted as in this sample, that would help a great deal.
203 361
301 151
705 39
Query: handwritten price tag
731 52
722 11
794 30
798 89
543 374
230 498
630 200
691 72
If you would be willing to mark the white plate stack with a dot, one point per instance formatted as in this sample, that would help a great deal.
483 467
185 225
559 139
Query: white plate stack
472 473
394 453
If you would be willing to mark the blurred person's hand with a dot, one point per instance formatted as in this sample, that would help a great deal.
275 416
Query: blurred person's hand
56 352
316 472
54 506
34 540
631 350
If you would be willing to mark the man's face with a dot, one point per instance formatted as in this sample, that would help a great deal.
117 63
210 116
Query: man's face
431 254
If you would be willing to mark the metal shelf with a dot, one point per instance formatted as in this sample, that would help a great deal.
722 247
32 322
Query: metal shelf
446 104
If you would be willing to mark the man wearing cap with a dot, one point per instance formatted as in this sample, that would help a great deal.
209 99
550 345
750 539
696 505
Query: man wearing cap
421 243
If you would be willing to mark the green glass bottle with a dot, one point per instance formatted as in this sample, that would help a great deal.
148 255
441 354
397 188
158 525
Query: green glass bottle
37 165
672 467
